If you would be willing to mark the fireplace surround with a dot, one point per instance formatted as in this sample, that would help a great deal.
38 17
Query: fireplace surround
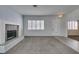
13 38
11 31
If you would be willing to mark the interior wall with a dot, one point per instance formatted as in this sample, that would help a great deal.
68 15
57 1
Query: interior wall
54 26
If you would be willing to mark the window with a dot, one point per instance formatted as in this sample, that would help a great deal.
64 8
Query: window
72 25
35 24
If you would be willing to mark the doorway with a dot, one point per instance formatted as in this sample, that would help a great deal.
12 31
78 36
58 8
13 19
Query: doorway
73 29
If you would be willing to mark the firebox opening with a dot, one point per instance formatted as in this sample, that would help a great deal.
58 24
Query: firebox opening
11 31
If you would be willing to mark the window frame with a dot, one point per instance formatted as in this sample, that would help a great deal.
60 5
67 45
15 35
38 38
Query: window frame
72 25
35 24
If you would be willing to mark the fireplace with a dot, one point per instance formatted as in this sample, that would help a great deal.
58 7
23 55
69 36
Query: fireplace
11 31
11 34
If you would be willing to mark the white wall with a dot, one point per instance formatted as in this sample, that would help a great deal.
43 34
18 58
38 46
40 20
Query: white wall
54 26
74 15
9 16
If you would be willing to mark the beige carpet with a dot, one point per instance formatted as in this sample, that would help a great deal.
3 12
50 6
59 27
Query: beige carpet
41 45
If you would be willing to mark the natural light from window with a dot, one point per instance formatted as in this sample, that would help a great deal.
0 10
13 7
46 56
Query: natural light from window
35 24
73 25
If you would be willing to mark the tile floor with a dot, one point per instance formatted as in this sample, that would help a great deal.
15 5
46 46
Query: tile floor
41 45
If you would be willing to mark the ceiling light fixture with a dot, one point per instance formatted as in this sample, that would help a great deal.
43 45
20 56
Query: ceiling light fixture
34 5
60 14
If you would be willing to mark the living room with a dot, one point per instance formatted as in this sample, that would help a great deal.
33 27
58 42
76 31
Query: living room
38 29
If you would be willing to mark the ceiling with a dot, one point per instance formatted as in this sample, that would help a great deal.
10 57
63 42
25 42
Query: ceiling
43 9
